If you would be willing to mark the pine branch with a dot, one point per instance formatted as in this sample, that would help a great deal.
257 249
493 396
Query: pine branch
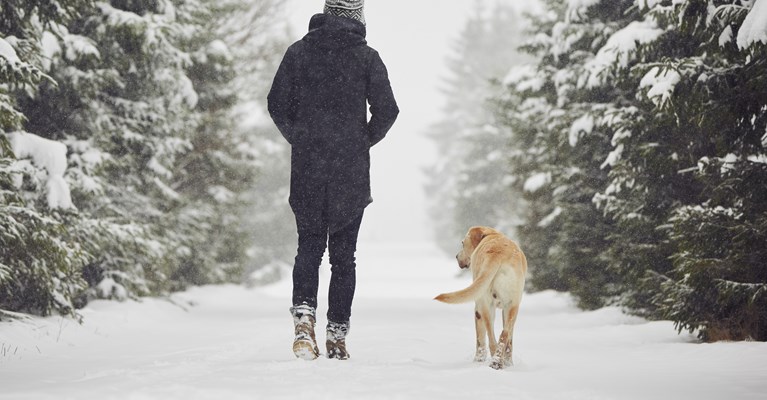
14 315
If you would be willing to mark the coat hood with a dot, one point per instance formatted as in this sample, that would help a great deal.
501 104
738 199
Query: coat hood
332 32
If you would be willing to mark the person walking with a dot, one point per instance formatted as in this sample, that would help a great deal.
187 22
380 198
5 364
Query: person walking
319 101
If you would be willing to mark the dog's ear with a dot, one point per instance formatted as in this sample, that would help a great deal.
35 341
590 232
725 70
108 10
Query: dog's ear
476 235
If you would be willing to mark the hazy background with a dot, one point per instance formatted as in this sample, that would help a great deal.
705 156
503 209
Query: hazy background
413 38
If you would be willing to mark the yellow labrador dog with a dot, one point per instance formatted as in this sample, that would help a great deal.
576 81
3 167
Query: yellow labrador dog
498 267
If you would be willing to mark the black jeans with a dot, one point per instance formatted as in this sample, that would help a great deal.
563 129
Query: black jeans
341 247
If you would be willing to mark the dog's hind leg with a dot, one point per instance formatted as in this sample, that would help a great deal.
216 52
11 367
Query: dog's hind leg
489 321
480 324
487 311
512 316
502 356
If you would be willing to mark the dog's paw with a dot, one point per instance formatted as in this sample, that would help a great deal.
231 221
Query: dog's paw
507 361
501 363
481 355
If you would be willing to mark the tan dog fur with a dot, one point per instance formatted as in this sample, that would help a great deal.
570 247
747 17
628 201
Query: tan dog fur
498 267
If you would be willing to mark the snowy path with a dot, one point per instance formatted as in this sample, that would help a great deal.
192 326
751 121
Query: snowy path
235 344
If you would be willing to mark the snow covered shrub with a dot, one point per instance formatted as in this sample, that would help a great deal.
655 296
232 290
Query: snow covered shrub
719 284
39 272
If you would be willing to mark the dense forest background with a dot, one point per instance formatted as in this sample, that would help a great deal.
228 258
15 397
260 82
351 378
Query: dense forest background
622 143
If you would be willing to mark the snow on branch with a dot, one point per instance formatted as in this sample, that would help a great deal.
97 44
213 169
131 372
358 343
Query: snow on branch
549 219
13 70
613 157
752 291
537 181
50 155
7 52
523 78
14 315
754 28
117 17
577 8
764 138
80 46
619 49
647 4
661 84
581 127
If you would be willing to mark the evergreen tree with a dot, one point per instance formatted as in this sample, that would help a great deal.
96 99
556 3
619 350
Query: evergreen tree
212 169
560 132
145 94
259 36
705 102
225 173
470 180
661 97
39 263
123 104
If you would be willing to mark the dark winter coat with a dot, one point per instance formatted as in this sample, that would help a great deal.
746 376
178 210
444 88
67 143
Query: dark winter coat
319 103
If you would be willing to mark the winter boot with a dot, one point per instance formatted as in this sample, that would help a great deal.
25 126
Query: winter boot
305 344
336 340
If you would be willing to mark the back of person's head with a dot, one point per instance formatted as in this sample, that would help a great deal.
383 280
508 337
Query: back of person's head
353 9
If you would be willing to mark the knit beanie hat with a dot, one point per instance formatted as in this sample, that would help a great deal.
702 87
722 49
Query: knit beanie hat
346 8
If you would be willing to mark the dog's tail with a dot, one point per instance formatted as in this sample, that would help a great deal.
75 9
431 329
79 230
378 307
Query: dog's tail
480 285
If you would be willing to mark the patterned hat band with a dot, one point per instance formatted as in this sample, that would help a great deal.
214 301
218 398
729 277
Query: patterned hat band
353 9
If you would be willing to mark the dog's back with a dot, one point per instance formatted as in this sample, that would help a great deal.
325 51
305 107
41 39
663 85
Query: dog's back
498 266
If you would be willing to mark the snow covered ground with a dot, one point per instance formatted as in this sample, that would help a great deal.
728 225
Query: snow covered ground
229 342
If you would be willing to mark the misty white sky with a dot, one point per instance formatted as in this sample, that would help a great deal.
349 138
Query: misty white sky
413 38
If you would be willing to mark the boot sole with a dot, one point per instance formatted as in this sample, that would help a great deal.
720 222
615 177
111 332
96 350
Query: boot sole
305 351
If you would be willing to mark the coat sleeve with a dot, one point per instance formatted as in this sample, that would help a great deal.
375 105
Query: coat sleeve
283 96
383 106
